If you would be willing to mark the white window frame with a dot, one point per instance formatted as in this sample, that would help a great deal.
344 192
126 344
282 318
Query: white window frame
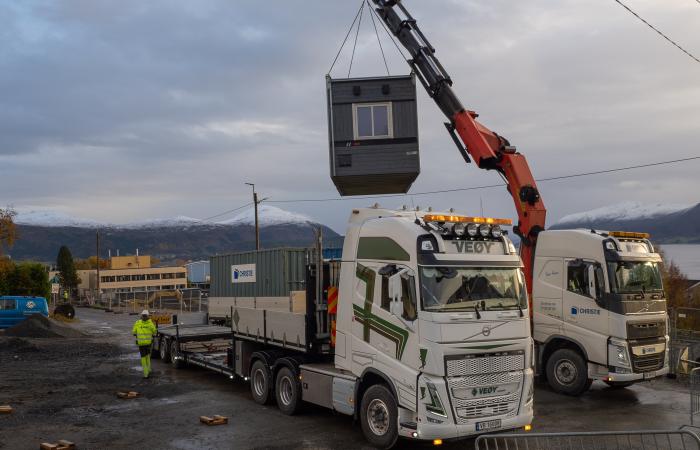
390 121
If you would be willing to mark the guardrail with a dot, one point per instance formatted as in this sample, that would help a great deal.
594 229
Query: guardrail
593 440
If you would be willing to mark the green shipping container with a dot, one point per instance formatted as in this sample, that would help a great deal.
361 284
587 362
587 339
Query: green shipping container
265 273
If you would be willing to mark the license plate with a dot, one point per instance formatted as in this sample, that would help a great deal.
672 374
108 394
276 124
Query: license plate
649 375
488 425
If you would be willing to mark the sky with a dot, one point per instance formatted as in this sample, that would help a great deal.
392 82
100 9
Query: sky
124 110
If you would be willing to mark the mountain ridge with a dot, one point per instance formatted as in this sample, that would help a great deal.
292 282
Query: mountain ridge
667 224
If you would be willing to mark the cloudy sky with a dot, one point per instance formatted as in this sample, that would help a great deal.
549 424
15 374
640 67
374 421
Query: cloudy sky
122 110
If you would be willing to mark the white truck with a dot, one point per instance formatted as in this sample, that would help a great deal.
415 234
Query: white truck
599 309
599 306
429 338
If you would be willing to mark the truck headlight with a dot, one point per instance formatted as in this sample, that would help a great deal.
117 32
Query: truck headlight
618 354
435 405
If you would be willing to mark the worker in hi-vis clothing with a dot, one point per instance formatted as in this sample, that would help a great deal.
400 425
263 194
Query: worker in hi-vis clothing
144 330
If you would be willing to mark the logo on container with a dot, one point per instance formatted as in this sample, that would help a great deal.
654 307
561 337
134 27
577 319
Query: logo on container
243 273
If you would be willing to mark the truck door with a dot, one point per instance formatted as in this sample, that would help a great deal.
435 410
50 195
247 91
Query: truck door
586 322
547 297
387 328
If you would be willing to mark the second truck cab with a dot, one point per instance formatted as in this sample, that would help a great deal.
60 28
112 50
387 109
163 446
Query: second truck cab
599 309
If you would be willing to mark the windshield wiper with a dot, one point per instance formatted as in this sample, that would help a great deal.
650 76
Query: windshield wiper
476 310
520 308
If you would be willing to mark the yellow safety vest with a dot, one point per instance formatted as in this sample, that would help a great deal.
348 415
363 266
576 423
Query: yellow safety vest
144 330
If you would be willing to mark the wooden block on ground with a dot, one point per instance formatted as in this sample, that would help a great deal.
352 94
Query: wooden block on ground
60 445
216 420
127 395
6 409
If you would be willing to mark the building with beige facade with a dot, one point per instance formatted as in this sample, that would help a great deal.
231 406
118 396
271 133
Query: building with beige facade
132 274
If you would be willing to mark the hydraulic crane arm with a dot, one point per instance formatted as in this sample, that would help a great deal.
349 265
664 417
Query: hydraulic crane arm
489 150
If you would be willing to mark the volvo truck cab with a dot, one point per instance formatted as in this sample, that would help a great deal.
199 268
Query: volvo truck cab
599 309
433 309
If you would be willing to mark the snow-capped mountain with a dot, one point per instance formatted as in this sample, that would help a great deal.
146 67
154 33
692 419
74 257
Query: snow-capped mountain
624 211
41 233
667 223
48 218
267 215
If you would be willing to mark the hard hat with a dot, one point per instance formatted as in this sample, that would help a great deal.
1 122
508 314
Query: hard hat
144 312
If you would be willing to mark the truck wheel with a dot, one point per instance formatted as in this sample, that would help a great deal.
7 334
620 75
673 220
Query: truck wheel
567 372
164 350
175 357
378 414
619 384
288 392
260 382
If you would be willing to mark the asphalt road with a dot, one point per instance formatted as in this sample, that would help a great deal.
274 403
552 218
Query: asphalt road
65 389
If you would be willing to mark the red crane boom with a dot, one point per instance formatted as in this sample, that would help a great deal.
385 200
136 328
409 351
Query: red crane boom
489 150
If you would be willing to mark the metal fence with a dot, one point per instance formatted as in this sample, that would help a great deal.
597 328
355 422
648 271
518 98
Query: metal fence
694 394
597 440
182 300
685 339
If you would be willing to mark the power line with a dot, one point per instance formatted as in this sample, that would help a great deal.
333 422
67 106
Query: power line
227 212
658 31
464 189
488 186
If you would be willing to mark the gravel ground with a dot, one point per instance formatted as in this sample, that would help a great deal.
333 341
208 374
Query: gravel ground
64 388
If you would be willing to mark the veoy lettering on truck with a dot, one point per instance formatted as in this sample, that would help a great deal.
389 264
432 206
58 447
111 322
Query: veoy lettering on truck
243 273
473 247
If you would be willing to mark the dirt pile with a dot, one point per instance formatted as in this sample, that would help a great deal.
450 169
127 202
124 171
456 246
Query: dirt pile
16 345
38 326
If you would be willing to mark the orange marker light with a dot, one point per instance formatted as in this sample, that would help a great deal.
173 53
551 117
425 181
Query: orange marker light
528 427
437 441
629 234
457 219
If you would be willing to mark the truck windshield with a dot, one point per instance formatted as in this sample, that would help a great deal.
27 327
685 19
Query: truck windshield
634 276
464 288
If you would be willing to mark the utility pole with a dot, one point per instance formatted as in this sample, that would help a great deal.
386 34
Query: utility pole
257 225
97 236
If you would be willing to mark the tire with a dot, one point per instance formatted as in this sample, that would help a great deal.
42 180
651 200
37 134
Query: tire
567 372
288 391
175 356
164 350
619 384
260 383
379 417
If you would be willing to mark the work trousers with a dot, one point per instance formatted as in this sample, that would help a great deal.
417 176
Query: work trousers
145 351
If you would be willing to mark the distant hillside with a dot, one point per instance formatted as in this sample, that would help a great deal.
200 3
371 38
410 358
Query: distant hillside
667 224
41 235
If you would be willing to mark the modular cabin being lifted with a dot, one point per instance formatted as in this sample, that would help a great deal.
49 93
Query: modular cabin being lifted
373 134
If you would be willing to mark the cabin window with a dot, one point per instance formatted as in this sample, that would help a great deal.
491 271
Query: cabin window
372 120
7 304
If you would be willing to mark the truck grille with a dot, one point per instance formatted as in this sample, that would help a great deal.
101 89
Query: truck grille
488 363
487 407
641 330
648 363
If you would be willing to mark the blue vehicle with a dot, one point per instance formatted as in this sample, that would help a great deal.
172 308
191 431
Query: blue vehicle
16 308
